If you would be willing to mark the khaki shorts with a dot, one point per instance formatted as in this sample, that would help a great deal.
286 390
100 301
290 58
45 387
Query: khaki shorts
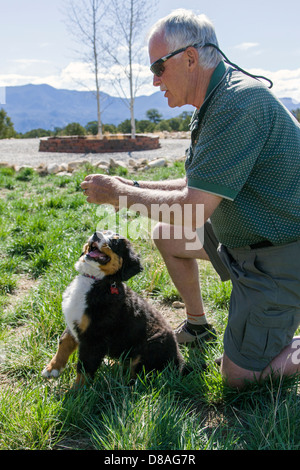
264 310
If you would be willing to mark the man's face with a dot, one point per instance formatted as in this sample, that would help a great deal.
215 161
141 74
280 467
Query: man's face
174 78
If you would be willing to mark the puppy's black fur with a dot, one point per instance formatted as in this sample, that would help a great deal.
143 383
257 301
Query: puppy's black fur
119 322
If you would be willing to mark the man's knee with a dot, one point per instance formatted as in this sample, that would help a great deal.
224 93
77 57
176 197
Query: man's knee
235 376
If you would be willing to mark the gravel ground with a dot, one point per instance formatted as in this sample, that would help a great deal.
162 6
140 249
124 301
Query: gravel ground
26 152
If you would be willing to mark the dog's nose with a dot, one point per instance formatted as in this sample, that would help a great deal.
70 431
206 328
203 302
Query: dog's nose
102 236
96 237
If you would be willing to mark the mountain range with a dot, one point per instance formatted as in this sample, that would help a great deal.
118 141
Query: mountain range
42 106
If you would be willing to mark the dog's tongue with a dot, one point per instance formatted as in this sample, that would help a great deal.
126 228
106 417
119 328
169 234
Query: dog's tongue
95 254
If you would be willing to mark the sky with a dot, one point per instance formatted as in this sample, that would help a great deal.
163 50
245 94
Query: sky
262 36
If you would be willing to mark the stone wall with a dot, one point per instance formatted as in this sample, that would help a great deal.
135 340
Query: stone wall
109 144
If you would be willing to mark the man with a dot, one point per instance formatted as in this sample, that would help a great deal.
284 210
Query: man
243 168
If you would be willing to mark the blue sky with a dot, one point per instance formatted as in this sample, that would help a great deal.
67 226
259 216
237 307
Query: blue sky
262 36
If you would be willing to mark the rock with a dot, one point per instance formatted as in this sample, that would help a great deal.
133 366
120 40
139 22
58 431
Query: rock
160 162
180 159
64 167
112 163
117 164
121 164
64 173
42 169
72 166
102 163
178 304
53 169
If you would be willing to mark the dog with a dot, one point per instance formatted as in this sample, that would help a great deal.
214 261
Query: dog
105 317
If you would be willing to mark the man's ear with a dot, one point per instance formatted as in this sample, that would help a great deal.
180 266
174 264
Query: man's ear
193 58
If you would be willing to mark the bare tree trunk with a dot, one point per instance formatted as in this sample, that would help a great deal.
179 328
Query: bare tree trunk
132 97
99 134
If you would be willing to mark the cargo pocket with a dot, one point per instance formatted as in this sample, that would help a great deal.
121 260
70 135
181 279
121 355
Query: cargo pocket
267 333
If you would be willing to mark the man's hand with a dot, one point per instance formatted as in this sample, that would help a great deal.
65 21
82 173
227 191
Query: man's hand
101 189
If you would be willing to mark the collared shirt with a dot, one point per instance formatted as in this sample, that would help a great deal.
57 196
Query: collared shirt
245 147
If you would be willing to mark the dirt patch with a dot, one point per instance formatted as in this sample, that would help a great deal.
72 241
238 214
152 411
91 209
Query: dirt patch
24 285
173 315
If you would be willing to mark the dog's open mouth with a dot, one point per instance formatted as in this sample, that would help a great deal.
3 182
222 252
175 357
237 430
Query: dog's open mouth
98 255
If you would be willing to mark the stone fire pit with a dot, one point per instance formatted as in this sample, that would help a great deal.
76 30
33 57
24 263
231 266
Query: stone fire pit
91 144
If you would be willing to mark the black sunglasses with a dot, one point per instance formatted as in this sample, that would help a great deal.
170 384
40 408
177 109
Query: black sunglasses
158 67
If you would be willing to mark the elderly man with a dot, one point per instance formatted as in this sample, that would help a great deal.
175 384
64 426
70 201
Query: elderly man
243 169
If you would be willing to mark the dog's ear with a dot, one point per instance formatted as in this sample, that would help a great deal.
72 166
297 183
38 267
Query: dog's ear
131 262
85 249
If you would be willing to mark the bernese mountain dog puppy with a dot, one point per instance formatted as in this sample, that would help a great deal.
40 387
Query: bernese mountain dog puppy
105 317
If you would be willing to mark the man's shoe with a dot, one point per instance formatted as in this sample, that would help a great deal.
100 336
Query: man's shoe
204 334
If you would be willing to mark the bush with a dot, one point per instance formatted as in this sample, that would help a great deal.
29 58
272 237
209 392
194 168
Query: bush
6 126
74 128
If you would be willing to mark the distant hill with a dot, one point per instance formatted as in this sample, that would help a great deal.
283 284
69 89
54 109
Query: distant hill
290 103
42 106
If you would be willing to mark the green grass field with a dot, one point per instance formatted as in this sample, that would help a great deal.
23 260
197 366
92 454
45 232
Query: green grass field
44 223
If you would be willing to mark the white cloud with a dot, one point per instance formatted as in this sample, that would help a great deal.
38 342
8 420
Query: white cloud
245 46
286 83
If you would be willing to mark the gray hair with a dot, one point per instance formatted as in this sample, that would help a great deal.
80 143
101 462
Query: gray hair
183 28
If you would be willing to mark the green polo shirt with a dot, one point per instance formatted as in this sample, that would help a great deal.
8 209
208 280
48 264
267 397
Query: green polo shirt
245 147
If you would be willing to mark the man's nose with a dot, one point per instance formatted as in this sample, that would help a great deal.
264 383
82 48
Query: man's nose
156 80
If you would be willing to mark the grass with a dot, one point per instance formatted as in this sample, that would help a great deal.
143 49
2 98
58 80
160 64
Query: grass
44 222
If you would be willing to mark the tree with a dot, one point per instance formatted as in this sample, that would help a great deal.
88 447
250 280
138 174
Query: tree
74 128
92 127
185 117
144 126
35 133
84 17
153 115
296 113
6 126
125 126
126 23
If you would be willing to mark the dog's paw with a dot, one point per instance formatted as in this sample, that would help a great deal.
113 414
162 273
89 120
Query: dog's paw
47 373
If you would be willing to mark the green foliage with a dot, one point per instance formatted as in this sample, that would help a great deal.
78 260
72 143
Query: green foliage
125 127
74 128
154 116
36 133
6 126
296 113
145 126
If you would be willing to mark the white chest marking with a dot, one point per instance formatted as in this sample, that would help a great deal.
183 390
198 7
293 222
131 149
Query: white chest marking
74 301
